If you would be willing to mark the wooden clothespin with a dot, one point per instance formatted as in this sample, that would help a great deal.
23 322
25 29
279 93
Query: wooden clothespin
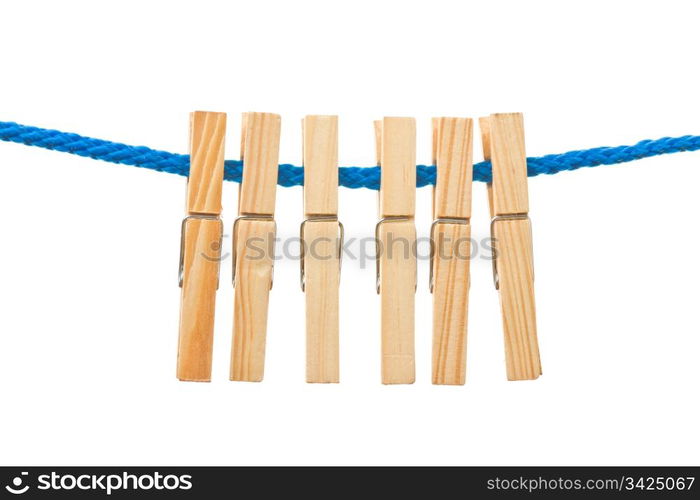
451 248
504 144
396 237
321 236
253 244
200 246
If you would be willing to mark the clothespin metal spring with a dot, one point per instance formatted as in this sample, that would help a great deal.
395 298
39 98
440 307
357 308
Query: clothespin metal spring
234 254
302 244
443 220
181 268
392 218
494 251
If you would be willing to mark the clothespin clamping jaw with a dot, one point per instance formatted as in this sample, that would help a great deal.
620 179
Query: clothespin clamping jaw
395 236
511 233
451 247
253 244
321 236
200 246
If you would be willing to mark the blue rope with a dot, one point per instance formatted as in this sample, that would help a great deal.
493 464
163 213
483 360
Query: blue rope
351 177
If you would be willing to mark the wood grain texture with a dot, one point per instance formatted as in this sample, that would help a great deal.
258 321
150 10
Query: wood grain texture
321 240
509 163
486 147
396 155
503 142
201 246
397 195
254 258
260 154
452 248
450 303
322 298
200 274
321 165
453 189
204 184
378 140
513 239
397 264
434 127
378 143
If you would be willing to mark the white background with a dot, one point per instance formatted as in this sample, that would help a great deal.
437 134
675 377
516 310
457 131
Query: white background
88 291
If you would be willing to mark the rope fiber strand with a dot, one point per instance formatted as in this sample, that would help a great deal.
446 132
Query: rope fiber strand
350 177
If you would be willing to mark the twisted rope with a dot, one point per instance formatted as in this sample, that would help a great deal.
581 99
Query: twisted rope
350 177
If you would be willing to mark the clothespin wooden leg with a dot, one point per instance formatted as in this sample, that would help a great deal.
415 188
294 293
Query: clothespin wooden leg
511 233
486 147
451 250
201 246
396 238
321 237
253 245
